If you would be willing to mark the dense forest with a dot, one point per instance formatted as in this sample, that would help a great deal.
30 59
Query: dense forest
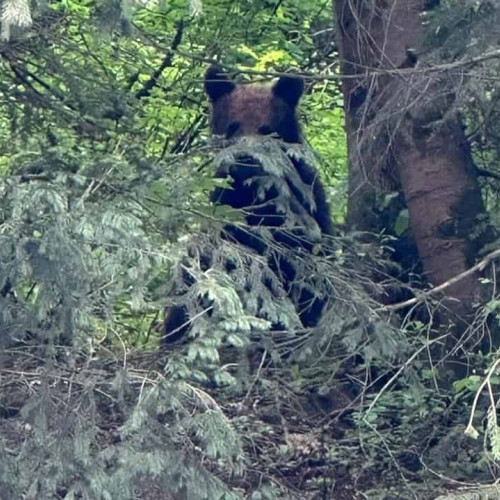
249 249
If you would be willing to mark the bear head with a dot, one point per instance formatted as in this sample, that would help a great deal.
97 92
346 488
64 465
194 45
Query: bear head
250 110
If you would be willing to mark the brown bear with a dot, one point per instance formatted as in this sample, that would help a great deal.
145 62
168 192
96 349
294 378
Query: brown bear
243 110
258 110
272 183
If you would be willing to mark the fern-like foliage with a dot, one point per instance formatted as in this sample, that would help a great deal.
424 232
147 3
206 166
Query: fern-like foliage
287 286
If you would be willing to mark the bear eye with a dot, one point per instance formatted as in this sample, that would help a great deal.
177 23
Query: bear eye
265 130
232 129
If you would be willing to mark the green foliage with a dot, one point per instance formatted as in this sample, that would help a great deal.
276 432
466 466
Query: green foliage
325 132
160 439
402 222
67 252
104 177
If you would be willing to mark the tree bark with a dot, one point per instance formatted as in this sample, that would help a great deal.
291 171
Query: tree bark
404 134
371 38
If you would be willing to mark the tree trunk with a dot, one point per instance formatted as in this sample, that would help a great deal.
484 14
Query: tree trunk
404 134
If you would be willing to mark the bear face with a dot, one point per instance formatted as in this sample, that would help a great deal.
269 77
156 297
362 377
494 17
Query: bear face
245 110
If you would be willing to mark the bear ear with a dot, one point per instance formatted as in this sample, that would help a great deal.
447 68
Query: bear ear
290 89
217 84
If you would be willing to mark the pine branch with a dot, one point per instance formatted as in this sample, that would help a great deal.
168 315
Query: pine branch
187 137
23 74
166 63
486 173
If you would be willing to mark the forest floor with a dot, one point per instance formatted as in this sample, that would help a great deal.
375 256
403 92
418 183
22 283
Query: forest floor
303 451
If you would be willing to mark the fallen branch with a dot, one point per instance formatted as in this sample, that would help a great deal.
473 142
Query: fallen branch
480 266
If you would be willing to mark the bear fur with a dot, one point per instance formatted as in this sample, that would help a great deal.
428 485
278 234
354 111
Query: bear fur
288 203
245 110
258 110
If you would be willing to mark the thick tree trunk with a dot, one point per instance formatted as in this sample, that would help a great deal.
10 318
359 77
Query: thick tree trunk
371 38
444 202
403 134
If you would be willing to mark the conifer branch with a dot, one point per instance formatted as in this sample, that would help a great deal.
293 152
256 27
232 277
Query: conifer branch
166 63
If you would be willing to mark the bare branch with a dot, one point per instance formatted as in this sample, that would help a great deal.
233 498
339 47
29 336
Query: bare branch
166 63
480 266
